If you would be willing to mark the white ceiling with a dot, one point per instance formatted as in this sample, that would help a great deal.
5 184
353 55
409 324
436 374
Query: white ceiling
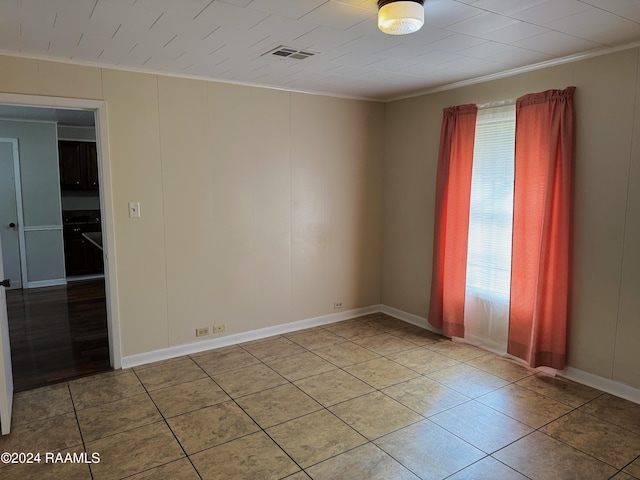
226 39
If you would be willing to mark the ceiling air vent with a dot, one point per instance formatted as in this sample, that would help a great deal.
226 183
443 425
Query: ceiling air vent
290 53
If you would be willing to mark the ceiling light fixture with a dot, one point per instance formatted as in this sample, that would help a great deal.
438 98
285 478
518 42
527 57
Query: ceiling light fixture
397 17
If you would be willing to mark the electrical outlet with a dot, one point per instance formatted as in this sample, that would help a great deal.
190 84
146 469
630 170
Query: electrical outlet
201 332
218 328
337 304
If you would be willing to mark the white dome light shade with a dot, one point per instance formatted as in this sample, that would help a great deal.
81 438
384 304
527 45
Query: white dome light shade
400 17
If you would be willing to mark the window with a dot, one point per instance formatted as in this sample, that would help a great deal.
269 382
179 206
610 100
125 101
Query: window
491 207
503 208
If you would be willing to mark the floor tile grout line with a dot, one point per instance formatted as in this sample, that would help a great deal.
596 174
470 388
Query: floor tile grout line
169 427
509 466
475 446
263 430
302 416
98 405
574 409
484 458
172 385
516 419
263 362
539 429
381 390
109 402
75 414
296 418
43 419
367 442
159 466
128 431
628 464
406 466
580 409
534 430
577 449
547 396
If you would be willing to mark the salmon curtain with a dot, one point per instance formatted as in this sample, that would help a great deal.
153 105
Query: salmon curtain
541 228
453 191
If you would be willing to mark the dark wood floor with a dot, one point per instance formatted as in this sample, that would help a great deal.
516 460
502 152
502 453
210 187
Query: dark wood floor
57 333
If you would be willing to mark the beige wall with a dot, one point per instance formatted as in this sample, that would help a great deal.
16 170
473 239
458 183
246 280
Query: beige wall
259 207
604 325
136 175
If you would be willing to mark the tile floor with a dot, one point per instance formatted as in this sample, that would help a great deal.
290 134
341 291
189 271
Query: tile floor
369 398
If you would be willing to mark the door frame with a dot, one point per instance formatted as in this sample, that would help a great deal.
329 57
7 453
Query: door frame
19 213
99 107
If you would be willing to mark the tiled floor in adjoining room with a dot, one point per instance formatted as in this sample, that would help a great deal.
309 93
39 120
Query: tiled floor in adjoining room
368 398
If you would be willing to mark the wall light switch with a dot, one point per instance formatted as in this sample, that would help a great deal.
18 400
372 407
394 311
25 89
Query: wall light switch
134 209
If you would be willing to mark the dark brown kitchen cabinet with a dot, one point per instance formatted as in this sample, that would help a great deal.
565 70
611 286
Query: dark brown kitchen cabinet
81 257
78 165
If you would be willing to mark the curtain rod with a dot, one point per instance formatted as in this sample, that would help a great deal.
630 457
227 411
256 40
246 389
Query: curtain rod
499 103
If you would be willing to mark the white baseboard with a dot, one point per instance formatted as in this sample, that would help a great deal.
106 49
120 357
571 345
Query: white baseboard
47 283
606 385
232 339
410 318
407 317
589 379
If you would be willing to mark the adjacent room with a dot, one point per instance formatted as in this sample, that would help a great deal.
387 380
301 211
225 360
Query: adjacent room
308 249
56 302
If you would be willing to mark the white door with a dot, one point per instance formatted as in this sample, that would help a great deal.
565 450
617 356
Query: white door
6 375
9 213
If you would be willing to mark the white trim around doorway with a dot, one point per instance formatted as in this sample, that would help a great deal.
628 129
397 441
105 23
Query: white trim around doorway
106 201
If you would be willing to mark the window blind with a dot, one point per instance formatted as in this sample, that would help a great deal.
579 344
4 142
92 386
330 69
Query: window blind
491 207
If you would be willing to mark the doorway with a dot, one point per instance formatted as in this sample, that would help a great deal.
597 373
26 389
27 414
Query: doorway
85 304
